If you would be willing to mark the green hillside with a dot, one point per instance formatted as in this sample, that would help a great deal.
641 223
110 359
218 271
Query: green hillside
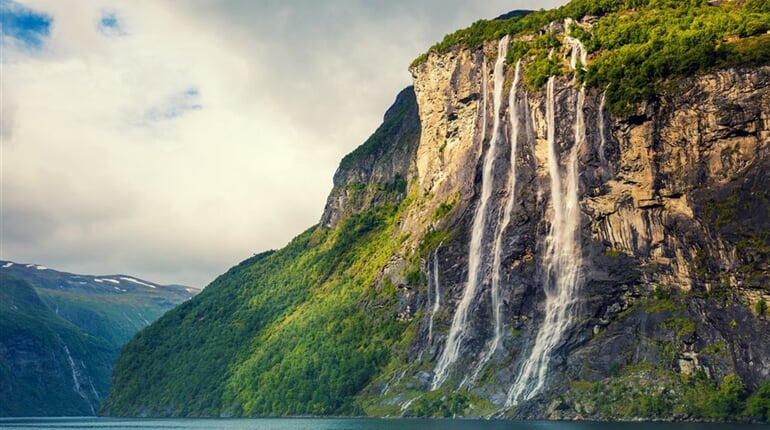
47 365
297 331
60 334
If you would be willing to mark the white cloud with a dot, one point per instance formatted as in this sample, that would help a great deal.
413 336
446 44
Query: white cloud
171 139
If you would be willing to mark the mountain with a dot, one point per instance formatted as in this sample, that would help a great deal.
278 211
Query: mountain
60 334
565 217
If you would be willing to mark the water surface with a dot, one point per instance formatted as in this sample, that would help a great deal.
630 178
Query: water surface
341 424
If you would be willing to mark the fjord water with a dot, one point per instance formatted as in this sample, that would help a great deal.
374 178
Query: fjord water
341 424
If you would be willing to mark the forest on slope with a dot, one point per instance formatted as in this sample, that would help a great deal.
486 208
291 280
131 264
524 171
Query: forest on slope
60 335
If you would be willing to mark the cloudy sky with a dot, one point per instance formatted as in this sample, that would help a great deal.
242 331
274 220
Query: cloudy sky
171 139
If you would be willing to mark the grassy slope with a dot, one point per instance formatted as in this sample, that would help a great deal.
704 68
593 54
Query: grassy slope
296 331
115 318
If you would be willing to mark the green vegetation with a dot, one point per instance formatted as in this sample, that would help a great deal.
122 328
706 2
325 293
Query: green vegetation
297 331
663 300
638 50
758 404
443 210
47 316
319 327
681 326
635 46
107 307
292 332
485 30
435 404
433 238
34 366
542 67
415 277
727 401
114 317
651 390
442 404
659 394
392 123
715 348
761 307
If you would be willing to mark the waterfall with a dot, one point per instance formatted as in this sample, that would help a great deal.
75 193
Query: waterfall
436 294
562 257
602 137
513 108
93 389
76 385
459 321
75 379
578 51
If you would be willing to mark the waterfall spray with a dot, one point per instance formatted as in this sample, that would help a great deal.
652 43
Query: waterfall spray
436 294
578 51
514 114
77 386
602 137
460 320
563 258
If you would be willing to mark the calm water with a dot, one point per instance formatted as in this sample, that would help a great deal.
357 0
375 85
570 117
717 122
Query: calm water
341 424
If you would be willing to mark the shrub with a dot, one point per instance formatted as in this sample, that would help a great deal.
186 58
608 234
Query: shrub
439 404
636 45
728 401
758 405
761 307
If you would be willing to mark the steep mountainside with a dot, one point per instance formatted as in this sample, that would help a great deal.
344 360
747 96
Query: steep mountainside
566 216
61 334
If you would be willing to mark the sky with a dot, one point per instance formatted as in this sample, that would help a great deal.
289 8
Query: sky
172 139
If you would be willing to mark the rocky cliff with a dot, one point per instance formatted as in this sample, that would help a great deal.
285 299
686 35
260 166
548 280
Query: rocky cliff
670 231
508 246
379 166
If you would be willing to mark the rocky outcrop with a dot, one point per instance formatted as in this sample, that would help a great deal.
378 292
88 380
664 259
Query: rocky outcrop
663 195
377 170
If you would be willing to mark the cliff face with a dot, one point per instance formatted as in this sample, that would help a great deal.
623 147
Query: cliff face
501 249
382 163
669 240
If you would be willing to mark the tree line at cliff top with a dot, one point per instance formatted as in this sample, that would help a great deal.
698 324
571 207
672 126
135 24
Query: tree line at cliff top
634 46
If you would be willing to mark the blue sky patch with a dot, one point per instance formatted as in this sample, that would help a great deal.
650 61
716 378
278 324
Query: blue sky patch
28 27
110 25
186 101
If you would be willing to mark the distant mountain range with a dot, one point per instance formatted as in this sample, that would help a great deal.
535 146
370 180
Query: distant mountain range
60 334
